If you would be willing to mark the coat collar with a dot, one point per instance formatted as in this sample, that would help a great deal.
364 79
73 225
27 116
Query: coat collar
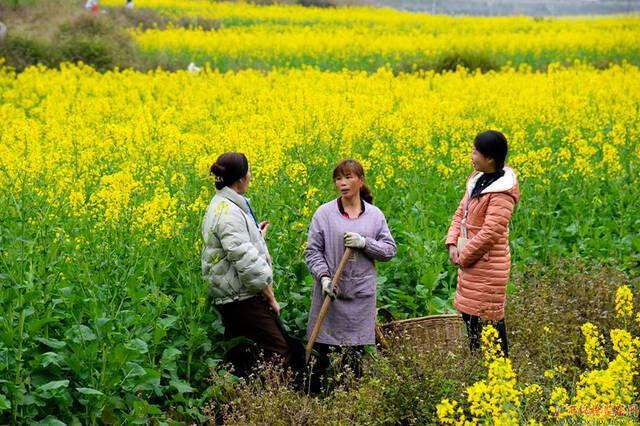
505 183
234 197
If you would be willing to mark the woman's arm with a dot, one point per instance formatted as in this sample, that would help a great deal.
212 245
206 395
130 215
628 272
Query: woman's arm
253 270
495 225
314 253
268 294
383 247
454 228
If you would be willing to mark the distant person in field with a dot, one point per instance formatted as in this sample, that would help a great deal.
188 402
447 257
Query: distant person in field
237 266
478 239
353 221
3 31
92 5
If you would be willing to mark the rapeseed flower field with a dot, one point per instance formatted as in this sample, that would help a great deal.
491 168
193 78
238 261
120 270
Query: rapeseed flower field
104 181
334 47
247 36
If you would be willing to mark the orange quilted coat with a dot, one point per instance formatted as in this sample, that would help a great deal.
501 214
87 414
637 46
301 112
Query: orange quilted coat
485 261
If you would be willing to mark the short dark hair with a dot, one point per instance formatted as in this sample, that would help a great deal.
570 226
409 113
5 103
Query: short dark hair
229 168
492 144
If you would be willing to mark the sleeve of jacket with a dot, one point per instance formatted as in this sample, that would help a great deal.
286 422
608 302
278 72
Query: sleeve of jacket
495 225
454 228
253 270
383 247
314 253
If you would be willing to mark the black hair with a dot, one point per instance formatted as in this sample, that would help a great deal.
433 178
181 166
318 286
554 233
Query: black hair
492 144
229 168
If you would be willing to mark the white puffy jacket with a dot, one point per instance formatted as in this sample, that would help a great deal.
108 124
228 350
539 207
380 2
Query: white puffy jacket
235 258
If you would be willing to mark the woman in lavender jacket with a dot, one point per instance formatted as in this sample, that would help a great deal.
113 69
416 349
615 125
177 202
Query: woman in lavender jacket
348 221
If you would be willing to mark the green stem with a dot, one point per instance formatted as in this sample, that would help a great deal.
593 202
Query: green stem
104 365
14 408
189 357
18 363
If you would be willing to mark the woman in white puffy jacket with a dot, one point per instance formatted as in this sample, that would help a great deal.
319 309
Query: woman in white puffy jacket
237 266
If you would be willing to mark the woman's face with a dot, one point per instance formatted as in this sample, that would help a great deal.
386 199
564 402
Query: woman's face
482 163
348 185
244 182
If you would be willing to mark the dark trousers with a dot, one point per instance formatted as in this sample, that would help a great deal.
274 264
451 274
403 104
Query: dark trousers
347 356
254 320
474 330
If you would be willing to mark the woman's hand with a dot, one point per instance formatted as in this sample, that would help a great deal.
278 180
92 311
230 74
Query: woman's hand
267 292
327 287
275 306
264 226
453 254
354 240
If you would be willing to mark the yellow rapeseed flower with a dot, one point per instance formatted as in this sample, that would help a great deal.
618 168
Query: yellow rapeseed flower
614 383
491 347
593 345
558 399
624 303
533 389
446 412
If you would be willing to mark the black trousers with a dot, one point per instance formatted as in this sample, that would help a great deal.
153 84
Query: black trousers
474 330
348 356
255 320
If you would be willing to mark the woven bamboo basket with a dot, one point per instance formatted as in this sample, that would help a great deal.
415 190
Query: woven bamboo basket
444 332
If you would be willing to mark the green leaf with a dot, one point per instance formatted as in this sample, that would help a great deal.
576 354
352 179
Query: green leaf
101 322
5 404
168 321
36 325
572 229
80 334
440 303
428 279
180 386
137 345
51 358
89 391
170 354
52 343
168 362
135 370
67 291
151 382
26 399
50 421
53 385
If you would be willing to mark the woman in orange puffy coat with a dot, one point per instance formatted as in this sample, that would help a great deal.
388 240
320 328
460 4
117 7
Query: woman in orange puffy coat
478 238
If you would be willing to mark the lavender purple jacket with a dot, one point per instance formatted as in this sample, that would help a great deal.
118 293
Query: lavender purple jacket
351 318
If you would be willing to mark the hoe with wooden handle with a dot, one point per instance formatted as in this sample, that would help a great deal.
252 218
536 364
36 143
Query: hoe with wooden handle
327 302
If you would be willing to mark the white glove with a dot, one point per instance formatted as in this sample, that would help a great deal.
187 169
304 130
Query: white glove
354 240
327 288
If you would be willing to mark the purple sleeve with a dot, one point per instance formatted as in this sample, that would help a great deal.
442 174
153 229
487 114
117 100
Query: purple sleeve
314 253
383 247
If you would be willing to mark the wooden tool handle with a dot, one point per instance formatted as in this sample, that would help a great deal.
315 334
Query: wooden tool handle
327 302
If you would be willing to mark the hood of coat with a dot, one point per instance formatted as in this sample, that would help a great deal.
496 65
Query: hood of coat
507 183
234 197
